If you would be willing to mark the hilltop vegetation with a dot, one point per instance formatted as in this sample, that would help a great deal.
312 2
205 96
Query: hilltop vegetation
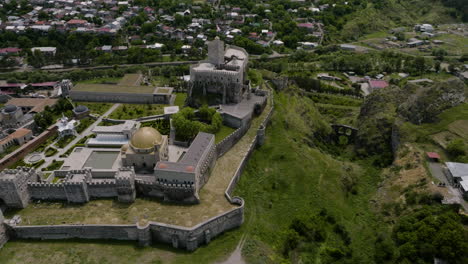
384 113
312 200
302 203
377 15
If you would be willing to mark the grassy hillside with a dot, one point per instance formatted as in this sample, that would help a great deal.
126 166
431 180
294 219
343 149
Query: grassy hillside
289 179
383 15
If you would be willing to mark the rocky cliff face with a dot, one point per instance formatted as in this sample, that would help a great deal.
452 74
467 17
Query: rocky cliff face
382 112
426 103
375 122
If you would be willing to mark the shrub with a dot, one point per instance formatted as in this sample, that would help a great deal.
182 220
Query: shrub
456 148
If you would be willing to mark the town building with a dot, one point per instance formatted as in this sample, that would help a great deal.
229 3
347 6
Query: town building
113 136
128 90
81 112
66 127
457 174
376 85
18 137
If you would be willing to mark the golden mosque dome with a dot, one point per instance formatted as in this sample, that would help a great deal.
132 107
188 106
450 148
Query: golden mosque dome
145 138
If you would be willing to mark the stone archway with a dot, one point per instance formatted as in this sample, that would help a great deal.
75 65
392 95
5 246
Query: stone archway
344 130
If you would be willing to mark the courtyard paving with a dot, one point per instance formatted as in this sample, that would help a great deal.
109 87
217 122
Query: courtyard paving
109 211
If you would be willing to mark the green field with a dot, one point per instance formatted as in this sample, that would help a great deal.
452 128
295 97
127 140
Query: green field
133 111
95 108
287 178
115 252
422 132
102 80
131 79
454 44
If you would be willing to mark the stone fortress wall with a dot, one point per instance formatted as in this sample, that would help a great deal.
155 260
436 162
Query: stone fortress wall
118 184
129 98
146 234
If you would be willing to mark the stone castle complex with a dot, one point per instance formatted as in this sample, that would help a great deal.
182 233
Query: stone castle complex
147 152
224 73
126 161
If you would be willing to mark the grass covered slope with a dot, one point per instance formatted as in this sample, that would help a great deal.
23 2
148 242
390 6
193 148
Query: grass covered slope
386 14
288 181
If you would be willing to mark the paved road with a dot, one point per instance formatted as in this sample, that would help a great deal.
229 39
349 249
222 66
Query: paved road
83 134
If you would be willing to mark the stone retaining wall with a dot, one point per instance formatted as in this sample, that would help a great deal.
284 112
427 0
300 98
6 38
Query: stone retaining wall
178 236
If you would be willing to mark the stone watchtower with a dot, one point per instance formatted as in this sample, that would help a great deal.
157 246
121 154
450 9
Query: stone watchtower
216 52
125 184
75 186
14 186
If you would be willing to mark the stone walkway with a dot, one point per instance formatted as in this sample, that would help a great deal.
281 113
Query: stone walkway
85 133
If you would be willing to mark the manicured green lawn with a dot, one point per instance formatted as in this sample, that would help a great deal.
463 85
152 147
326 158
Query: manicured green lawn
102 80
180 99
96 108
50 152
63 142
84 124
133 111
55 165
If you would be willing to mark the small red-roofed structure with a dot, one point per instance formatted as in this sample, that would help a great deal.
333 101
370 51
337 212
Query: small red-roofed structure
433 156
377 84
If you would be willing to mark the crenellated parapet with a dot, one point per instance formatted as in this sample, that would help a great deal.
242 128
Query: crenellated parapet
14 186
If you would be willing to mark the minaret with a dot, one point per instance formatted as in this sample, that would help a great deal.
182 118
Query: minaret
216 52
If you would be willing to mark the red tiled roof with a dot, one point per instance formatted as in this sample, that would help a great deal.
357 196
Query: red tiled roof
433 155
11 85
378 83
77 21
10 50
305 25
43 84
21 132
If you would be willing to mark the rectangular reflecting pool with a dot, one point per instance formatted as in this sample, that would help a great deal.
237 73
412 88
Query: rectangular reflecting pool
101 159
